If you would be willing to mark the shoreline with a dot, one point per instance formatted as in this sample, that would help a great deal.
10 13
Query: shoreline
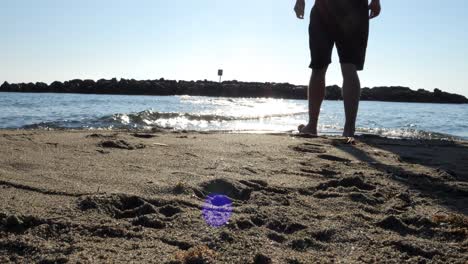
292 133
119 196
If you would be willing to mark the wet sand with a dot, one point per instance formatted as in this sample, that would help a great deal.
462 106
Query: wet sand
117 197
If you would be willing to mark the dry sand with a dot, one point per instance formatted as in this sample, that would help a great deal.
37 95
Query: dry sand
113 197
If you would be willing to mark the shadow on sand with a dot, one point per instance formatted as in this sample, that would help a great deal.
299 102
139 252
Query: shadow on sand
444 178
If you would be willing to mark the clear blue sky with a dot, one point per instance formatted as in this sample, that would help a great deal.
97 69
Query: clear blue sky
418 43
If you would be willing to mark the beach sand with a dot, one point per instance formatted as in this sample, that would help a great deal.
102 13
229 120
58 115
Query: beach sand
117 197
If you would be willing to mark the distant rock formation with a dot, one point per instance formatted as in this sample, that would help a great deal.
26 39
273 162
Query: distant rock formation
228 89
405 94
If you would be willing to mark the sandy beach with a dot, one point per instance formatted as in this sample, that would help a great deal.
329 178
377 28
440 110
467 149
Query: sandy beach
121 197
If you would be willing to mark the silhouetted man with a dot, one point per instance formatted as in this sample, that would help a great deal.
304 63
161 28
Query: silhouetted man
344 23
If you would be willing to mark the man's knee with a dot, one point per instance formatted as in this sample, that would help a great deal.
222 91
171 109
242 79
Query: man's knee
319 73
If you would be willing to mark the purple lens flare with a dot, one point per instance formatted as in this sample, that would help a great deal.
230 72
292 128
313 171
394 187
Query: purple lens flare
217 210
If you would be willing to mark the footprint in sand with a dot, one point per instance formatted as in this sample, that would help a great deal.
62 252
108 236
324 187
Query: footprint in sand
308 148
347 182
145 136
411 249
140 212
101 136
149 221
260 185
276 237
244 224
230 188
333 158
323 172
120 144
285 226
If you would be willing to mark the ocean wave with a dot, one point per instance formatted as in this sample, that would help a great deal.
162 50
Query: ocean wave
271 123
148 116
407 133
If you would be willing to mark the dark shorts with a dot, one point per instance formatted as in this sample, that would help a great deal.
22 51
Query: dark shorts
341 22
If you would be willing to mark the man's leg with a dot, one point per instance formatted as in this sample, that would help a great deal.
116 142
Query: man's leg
351 95
316 94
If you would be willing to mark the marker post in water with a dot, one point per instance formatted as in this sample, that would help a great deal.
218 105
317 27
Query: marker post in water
220 74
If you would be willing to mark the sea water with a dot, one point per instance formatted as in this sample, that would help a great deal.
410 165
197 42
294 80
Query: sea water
256 115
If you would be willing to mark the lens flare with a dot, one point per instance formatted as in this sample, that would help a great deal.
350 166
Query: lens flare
217 210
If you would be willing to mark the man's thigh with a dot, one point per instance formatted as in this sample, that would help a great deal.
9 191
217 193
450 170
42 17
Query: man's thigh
353 50
352 36
320 40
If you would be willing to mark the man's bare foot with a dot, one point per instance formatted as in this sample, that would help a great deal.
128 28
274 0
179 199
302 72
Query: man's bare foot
308 129
350 141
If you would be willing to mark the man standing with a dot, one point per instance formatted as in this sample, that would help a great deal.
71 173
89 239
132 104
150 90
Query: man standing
344 23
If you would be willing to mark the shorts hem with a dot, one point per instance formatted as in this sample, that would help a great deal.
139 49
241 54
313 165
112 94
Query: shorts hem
316 66
359 67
